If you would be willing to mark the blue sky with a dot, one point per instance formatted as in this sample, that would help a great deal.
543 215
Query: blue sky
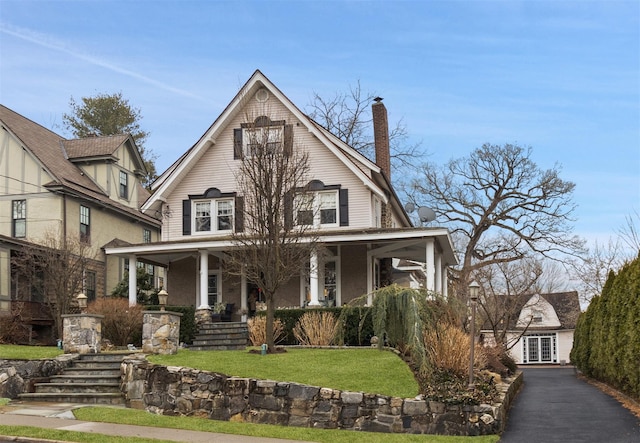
560 76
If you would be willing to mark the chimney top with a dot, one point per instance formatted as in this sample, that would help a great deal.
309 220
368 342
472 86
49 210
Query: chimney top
378 99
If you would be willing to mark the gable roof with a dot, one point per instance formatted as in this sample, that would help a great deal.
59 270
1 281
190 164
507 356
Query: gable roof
567 307
48 148
351 158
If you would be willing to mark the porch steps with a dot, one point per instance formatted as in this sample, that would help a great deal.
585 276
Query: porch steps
222 336
91 378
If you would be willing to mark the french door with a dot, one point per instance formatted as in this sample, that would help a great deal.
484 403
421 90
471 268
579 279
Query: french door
539 348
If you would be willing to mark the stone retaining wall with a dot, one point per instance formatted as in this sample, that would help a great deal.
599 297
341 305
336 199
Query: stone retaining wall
18 376
183 391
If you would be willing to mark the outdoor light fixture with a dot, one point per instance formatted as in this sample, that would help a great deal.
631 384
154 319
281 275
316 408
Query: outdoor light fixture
82 302
474 288
162 298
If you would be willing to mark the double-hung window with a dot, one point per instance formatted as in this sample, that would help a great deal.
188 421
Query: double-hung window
213 215
85 224
124 185
267 138
19 218
317 208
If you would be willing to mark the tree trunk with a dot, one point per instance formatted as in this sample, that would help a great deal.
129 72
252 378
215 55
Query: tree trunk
270 319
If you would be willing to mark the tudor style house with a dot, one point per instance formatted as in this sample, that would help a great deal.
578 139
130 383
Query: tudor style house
543 329
358 217
51 187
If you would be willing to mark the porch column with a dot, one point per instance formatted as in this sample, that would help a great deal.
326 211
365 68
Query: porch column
430 262
204 280
133 281
438 269
313 279
445 280
243 295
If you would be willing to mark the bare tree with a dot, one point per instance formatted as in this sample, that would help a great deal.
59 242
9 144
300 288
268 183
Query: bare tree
501 208
347 115
271 247
630 232
54 273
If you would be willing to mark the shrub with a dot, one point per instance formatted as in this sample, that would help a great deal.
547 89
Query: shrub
258 330
122 324
316 328
448 348
13 327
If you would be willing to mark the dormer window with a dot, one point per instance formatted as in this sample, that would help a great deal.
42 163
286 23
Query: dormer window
537 317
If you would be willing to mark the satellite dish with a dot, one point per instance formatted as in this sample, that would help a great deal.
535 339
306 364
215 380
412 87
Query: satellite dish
409 207
426 214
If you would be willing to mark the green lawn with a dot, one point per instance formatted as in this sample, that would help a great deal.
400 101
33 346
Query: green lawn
18 352
354 369
142 418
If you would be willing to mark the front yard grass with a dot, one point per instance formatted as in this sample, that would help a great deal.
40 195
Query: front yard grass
19 352
142 418
355 369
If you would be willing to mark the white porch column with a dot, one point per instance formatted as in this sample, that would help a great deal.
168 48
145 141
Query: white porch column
313 279
204 280
445 282
133 281
370 276
243 295
438 269
430 262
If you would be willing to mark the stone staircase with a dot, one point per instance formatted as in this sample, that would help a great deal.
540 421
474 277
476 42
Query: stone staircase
221 336
91 378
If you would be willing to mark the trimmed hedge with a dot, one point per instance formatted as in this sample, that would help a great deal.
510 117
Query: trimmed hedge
606 343
357 329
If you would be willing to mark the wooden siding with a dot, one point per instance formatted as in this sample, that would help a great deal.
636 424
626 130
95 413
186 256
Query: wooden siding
217 168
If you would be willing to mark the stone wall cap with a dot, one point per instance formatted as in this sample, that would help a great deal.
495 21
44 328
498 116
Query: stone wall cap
179 314
82 315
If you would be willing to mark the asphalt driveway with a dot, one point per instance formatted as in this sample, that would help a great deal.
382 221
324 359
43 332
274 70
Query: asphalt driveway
555 406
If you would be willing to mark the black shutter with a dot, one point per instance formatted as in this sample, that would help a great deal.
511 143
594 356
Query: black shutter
186 217
288 210
239 214
288 139
344 207
237 144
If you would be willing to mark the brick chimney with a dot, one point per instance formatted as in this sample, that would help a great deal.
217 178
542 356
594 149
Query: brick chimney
381 136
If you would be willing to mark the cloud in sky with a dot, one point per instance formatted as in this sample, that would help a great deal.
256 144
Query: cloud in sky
50 42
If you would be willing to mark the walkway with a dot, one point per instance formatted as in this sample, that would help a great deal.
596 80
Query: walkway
59 416
555 406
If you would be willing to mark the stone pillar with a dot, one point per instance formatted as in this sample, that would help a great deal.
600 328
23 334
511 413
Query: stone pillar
81 333
160 332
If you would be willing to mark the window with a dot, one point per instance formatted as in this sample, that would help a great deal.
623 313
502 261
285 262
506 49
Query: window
124 187
317 209
90 285
19 218
85 224
269 138
213 215
146 235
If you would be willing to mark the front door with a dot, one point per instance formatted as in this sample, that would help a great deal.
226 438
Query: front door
539 348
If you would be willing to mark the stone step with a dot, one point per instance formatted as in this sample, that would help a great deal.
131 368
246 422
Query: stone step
103 365
208 326
220 340
107 398
106 357
85 378
69 388
92 371
217 347
232 335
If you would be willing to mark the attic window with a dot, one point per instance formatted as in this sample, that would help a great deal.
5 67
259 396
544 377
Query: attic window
263 135
124 185
537 317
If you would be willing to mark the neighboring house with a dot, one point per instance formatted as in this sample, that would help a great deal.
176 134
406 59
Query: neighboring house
51 187
364 225
544 328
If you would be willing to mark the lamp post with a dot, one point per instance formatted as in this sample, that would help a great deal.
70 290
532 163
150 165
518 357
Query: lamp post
473 296
82 302
162 298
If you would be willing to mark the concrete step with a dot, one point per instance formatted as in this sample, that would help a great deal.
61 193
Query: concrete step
82 397
92 371
217 347
102 365
68 388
